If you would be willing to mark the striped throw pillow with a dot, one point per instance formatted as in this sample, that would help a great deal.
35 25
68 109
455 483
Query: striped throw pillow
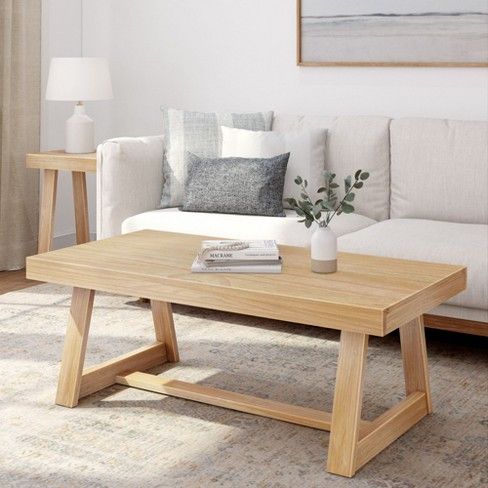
200 134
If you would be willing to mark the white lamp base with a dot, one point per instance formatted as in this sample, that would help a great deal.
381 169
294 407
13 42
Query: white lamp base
79 132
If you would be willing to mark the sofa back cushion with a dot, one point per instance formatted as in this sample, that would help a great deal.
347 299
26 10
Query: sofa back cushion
353 143
439 170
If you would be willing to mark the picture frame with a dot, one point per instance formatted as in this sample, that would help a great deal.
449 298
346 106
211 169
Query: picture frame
310 42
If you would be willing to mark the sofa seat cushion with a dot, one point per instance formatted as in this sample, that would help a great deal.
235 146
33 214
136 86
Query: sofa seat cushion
430 240
285 230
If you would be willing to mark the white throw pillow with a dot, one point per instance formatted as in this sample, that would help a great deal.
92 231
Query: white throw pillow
306 148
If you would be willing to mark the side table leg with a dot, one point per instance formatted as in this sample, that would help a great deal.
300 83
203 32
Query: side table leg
414 354
81 207
48 205
75 347
165 328
346 410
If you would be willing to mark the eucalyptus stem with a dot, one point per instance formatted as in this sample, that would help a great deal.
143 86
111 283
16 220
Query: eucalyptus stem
341 202
323 210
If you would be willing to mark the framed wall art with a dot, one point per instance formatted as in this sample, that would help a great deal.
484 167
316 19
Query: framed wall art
392 33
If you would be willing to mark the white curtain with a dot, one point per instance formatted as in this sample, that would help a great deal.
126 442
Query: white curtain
20 65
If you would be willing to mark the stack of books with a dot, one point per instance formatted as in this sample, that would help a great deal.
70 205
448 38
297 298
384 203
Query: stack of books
231 256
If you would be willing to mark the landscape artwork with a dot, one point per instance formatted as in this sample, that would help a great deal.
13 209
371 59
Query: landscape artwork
392 32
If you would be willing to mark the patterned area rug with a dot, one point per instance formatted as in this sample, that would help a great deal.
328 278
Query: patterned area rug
128 438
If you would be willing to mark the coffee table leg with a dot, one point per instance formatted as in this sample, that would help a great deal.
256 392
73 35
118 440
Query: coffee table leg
165 328
346 410
75 347
414 354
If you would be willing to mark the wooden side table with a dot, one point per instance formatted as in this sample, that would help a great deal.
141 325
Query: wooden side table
50 163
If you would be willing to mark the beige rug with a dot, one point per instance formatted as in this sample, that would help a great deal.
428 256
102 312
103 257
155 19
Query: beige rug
129 438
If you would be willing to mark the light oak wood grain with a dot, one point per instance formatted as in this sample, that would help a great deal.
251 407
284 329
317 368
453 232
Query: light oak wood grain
100 376
46 212
16 280
75 347
226 399
452 324
368 294
60 160
165 328
81 207
414 354
389 426
50 163
346 410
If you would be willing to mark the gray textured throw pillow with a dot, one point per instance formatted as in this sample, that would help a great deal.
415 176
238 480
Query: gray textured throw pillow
199 133
252 186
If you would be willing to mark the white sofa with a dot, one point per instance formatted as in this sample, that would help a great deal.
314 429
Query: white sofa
426 198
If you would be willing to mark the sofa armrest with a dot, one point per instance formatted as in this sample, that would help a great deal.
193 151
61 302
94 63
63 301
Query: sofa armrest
129 180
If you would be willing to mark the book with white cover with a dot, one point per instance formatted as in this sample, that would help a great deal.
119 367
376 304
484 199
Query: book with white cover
229 250
241 262
199 266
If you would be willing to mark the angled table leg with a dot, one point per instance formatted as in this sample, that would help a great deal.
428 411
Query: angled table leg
48 205
414 354
75 347
164 328
81 207
346 410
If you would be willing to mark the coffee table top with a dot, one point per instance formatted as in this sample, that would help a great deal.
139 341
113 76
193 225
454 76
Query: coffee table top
368 294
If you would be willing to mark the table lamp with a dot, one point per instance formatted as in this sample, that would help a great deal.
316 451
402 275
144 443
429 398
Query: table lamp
79 80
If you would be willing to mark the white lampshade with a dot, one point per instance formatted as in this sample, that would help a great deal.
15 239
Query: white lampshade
79 79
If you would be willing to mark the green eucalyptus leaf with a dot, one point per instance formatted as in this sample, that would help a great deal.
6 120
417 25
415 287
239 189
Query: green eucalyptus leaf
298 180
305 205
300 212
308 223
357 174
334 185
319 201
358 184
346 208
349 197
305 183
322 189
347 183
304 196
291 201
364 176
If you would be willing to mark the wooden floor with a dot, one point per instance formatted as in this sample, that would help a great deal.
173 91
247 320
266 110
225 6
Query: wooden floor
14 280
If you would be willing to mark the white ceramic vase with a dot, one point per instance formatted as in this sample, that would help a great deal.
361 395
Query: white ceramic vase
323 249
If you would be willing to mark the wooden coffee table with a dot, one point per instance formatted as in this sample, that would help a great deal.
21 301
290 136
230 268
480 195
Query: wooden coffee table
367 296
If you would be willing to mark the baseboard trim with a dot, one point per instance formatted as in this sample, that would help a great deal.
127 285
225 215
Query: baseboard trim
452 324
67 240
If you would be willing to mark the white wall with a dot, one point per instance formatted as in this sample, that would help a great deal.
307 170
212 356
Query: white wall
240 55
